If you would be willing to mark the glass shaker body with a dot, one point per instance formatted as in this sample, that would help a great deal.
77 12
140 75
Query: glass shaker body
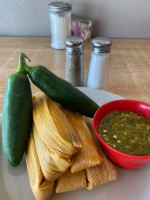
99 63
74 70
98 71
60 23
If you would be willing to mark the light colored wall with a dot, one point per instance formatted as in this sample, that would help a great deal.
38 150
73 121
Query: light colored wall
112 18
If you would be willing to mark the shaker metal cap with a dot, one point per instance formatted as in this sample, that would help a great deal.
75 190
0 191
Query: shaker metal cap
74 43
101 45
58 6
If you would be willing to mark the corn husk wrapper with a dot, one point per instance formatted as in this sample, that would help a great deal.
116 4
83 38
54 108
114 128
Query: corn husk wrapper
41 188
89 155
68 181
103 173
54 128
52 165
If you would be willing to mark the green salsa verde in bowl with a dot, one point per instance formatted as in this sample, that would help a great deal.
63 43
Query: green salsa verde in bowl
127 132
123 130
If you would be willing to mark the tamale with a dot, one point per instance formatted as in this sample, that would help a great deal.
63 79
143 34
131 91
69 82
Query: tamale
103 173
68 181
41 188
89 155
54 128
52 165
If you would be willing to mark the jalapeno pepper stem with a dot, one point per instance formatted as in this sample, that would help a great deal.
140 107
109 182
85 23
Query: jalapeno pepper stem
22 64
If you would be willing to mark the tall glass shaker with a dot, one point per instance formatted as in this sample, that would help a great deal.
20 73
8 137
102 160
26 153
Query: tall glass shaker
60 23
99 64
74 71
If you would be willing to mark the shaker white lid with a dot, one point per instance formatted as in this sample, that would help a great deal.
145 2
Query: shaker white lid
101 45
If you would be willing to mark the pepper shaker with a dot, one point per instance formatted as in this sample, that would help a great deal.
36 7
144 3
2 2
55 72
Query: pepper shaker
60 23
99 63
74 70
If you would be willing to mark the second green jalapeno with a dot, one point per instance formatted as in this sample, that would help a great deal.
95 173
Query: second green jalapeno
61 91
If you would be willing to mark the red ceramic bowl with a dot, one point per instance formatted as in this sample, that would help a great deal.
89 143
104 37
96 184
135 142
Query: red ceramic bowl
121 159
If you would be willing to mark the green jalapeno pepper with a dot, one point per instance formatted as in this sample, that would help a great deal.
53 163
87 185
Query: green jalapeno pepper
17 115
61 91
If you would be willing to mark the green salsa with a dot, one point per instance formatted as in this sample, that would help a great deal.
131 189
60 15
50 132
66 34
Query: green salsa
127 132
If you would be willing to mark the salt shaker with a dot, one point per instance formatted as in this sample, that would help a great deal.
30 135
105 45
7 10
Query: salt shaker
60 23
74 70
99 63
